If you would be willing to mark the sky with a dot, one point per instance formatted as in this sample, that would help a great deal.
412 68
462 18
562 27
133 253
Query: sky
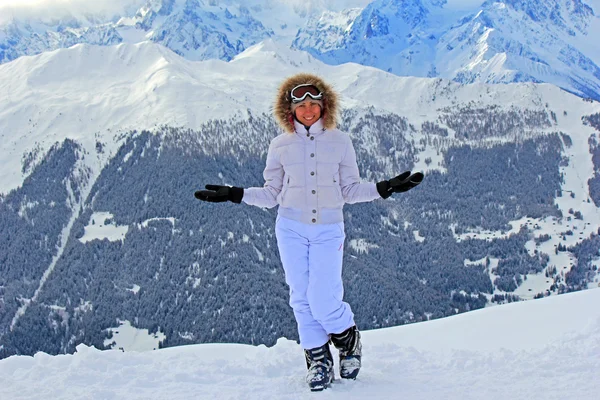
74 4
49 9
100 4
119 5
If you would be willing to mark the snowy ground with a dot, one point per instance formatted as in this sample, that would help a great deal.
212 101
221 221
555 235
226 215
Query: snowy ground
541 349
128 338
100 227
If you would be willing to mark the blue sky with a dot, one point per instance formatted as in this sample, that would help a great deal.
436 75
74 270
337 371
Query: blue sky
115 4
76 5
49 9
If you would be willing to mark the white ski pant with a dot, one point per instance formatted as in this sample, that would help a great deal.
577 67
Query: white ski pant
312 260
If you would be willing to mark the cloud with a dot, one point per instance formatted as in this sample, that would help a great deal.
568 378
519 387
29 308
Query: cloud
49 10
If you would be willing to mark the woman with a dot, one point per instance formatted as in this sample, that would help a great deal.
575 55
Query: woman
310 173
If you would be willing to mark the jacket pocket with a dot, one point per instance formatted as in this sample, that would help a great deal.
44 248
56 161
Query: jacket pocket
338 188
284 189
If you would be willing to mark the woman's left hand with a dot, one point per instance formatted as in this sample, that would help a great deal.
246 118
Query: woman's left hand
401 183
220 193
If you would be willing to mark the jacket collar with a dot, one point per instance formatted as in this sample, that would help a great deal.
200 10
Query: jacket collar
315 128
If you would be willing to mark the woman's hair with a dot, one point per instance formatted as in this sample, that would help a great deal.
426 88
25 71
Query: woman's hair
282 107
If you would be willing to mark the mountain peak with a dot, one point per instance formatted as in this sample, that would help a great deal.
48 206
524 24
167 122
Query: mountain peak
563 14
464 40
495 44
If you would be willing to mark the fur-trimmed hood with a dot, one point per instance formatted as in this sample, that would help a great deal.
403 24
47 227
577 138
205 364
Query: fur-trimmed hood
281 108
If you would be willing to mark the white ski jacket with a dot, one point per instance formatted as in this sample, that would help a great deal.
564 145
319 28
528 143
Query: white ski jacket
311 174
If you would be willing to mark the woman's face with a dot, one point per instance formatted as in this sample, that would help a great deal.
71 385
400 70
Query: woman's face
308 112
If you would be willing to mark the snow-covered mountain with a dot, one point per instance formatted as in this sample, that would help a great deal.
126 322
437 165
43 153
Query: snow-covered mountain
494 41
189 27
195 29
102 147
22 38
546 349
91 93
199 31
463 40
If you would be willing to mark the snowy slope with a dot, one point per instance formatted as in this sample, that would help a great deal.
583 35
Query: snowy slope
93 93
96 94
543 349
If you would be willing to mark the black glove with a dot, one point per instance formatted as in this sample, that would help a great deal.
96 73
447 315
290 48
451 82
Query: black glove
219 193
403 182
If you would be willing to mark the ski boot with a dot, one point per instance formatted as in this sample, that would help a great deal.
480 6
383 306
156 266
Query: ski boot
319 362
348 343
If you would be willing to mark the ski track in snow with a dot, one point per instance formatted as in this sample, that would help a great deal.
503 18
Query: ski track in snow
542 349
75 206
82 166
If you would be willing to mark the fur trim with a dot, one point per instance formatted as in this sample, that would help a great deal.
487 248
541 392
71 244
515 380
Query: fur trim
282 107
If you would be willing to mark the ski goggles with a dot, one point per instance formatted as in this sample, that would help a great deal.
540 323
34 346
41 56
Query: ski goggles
301 92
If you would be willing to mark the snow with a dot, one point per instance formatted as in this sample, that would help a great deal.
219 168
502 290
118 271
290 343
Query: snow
286 17
463 5
260 256
99 229
541 349
94 94
361 245
85 306
418 237
429 159
576 175
482 234
52 10
596 282
131 34
128 338
145 224
101 226
135 289
555 228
